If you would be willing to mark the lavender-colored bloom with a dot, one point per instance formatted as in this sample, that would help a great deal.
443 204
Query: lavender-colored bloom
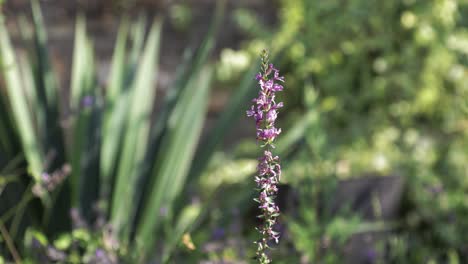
435 189
49 181
265 112
163 211
218 233
100 253
77 218
268 134
55 254
45 177
87 101
36 244
271 115
371 255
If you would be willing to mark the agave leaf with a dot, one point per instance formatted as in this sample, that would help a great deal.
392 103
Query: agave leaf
79 66
29 88
137 36
190 66
82 89
89 115
77 87
45 83
119 100
33 95
19 106
114 111
175 157
117 73
234 111
46 76
136 137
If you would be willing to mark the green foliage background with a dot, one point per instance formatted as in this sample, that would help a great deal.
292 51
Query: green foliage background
383 87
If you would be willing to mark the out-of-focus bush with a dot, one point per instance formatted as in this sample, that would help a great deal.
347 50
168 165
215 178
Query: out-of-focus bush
391 78
391 81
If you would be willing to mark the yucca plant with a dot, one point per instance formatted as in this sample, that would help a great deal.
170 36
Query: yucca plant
115 156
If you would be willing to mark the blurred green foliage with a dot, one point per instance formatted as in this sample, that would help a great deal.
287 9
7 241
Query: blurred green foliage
390 80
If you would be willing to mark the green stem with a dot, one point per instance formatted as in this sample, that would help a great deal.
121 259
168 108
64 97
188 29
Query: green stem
10 212
9 242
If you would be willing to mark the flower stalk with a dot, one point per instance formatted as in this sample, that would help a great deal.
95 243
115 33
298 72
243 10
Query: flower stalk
265 111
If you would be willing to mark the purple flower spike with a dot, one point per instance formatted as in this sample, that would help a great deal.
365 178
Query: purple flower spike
265 112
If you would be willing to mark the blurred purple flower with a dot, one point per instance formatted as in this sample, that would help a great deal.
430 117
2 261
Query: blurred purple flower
435 189
163 211
55 254
48 182
371 255
87 101
77 219
100 253
218 233
36 244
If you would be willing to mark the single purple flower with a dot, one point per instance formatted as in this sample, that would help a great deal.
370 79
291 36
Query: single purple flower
271 115
277 87
268 134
